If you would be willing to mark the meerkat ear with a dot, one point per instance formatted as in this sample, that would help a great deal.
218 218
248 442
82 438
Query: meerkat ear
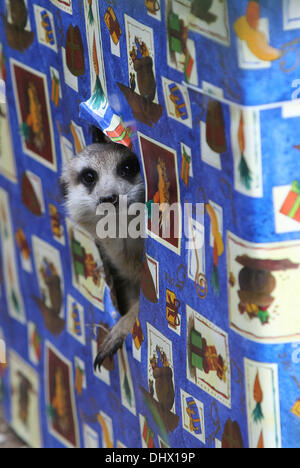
99 136
64 188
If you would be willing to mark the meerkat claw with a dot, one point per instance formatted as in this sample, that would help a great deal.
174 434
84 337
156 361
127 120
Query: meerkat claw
107 350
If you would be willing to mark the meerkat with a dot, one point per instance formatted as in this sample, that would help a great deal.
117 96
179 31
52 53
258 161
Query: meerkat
102 174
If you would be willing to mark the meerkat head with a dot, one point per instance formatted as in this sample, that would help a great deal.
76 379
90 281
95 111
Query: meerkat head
101 173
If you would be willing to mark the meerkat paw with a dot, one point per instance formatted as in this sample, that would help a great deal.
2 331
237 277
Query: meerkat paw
116 337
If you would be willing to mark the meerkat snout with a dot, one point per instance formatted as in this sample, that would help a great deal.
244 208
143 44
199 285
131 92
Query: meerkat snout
113 200
104 174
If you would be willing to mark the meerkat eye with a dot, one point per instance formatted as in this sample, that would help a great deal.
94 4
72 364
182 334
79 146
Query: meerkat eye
129 168
88 177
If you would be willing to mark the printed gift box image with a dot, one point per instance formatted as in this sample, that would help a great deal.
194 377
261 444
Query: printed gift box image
205 93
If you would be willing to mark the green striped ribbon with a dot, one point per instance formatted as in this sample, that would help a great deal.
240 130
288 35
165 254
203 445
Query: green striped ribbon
296 207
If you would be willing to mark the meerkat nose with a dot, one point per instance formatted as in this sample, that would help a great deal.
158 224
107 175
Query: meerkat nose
113 200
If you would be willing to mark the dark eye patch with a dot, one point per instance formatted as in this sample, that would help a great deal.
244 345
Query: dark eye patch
129 168
64 189
88 177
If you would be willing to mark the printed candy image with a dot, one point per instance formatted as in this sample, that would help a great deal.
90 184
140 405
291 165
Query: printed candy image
113 25
45 27
74 51
141 93
192 415
208 363
34 343
259 305
232 437
65 5
126 382
196 259
32 193
215 127
86 265
56 224
51 283
12 286
216 241
177 102
24 250
296 409
172 311
17 25
247 151
181 50
25 400
247 28
75 320
154 8
161 395
140 48
291 206
210 19
257 283
150 279
7 158
147 433
263 412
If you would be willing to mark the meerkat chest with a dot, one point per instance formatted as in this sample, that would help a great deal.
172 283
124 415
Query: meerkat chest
125 255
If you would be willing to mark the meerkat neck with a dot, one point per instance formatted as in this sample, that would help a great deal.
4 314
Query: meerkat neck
125 255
